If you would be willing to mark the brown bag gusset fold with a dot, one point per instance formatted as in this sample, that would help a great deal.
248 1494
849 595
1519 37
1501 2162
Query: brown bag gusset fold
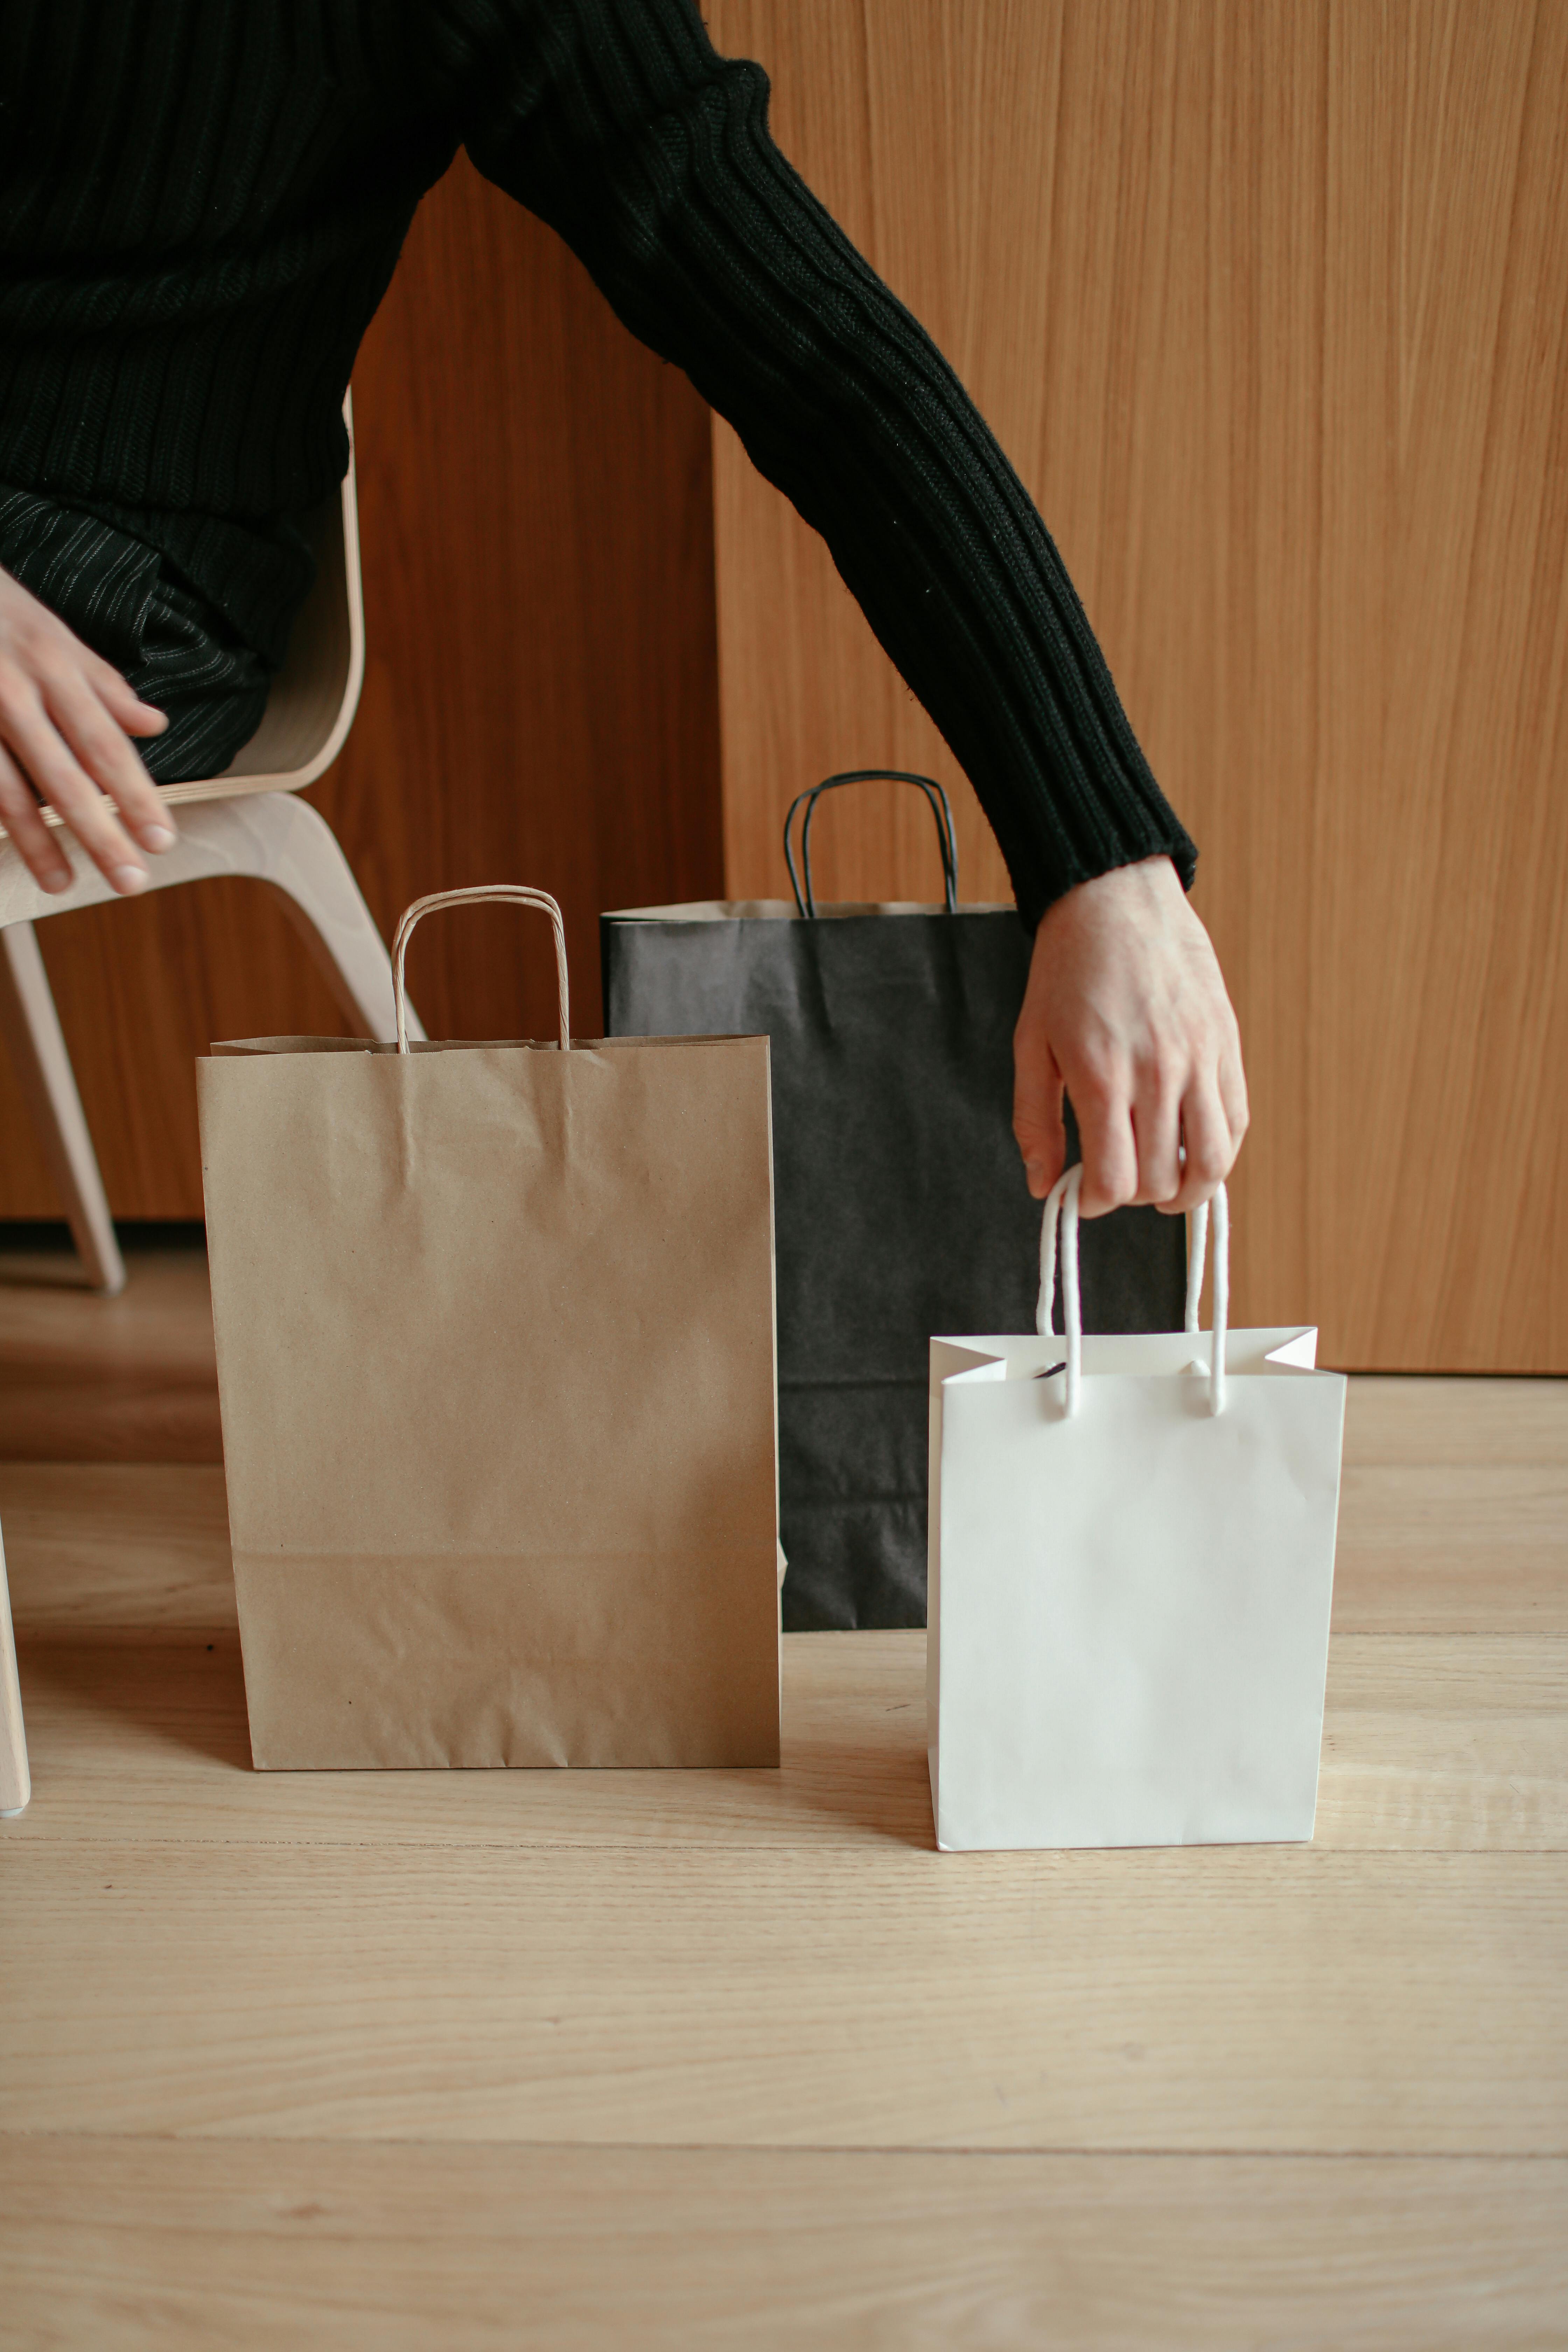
495 1338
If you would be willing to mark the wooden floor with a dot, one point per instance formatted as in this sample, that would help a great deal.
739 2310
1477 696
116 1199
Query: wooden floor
689 2060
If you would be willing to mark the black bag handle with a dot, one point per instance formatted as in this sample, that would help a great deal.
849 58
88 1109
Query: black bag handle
940 808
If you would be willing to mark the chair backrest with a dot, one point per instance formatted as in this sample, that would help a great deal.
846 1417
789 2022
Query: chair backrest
314 696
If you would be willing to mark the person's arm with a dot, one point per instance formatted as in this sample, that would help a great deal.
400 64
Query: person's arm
67 717
618 123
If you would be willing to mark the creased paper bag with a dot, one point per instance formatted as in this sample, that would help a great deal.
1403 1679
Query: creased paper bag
495 1345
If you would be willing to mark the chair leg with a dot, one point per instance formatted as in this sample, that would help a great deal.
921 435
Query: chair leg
15 1782
271 837
32 1030
283 841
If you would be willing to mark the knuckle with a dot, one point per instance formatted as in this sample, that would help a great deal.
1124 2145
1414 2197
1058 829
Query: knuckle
1114 1183
92 821
48 661
30 634
134 788
109 754
1097 1083
75 797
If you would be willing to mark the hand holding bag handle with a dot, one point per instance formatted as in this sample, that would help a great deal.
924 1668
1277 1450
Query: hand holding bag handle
941 810
513 894
1063 1201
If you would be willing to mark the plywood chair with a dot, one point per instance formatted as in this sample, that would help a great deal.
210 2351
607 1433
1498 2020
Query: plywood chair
16 1787
246 822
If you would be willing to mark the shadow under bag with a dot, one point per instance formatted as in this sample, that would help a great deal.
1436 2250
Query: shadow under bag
900 1202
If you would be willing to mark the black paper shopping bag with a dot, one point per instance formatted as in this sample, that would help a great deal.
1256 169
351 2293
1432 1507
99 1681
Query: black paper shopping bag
900 1203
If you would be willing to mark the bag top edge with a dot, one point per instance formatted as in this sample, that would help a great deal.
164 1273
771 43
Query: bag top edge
237 1049
731 910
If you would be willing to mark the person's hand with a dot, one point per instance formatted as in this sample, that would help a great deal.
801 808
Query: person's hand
1126 1007
66 718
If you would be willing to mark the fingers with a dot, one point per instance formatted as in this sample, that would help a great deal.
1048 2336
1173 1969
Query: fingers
1104 1112
1233 1092
1210 1148
1038 1109
19 813
1158 1145
37 745
132 716
65 720
1156 1132
103 751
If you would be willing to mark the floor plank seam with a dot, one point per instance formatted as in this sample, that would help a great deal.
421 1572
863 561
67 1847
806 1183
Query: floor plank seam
667 1845
922 2150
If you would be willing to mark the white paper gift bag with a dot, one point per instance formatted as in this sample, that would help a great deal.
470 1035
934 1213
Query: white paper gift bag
1131 1566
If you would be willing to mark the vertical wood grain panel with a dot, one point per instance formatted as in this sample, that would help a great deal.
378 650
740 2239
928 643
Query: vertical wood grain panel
1268 299
540 700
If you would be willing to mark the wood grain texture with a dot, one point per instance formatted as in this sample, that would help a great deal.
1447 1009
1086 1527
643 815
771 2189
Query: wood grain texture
146 2245
118 1550
16 1777
1293 1998
540 700
1267 301
94 1380
1453 1516
438 2037
1439 1743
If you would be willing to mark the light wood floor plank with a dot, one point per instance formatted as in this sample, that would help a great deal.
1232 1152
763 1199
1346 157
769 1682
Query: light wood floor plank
117 1548
1462 1548
1438 1741
1445 1742
1285 1999
143 2245
524 1971
1467 1548
85 1378
1441 1423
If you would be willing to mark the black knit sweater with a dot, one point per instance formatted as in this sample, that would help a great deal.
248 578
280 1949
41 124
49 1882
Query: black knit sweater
201 204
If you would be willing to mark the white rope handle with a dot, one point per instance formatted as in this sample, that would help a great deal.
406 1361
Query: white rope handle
1197 1245
1062 1201
513 894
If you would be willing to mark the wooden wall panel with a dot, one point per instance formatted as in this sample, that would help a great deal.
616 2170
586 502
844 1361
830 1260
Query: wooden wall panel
540 700
1268 299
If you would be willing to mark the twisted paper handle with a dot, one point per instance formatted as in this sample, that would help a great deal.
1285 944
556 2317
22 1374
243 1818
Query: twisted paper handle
514 894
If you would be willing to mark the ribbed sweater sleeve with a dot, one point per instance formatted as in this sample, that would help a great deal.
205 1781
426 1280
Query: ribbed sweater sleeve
618 123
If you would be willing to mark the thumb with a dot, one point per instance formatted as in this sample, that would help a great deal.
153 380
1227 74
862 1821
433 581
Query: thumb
1038 1090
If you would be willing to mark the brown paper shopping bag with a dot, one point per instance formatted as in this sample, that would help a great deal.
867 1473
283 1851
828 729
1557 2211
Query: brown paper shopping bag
495 1341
